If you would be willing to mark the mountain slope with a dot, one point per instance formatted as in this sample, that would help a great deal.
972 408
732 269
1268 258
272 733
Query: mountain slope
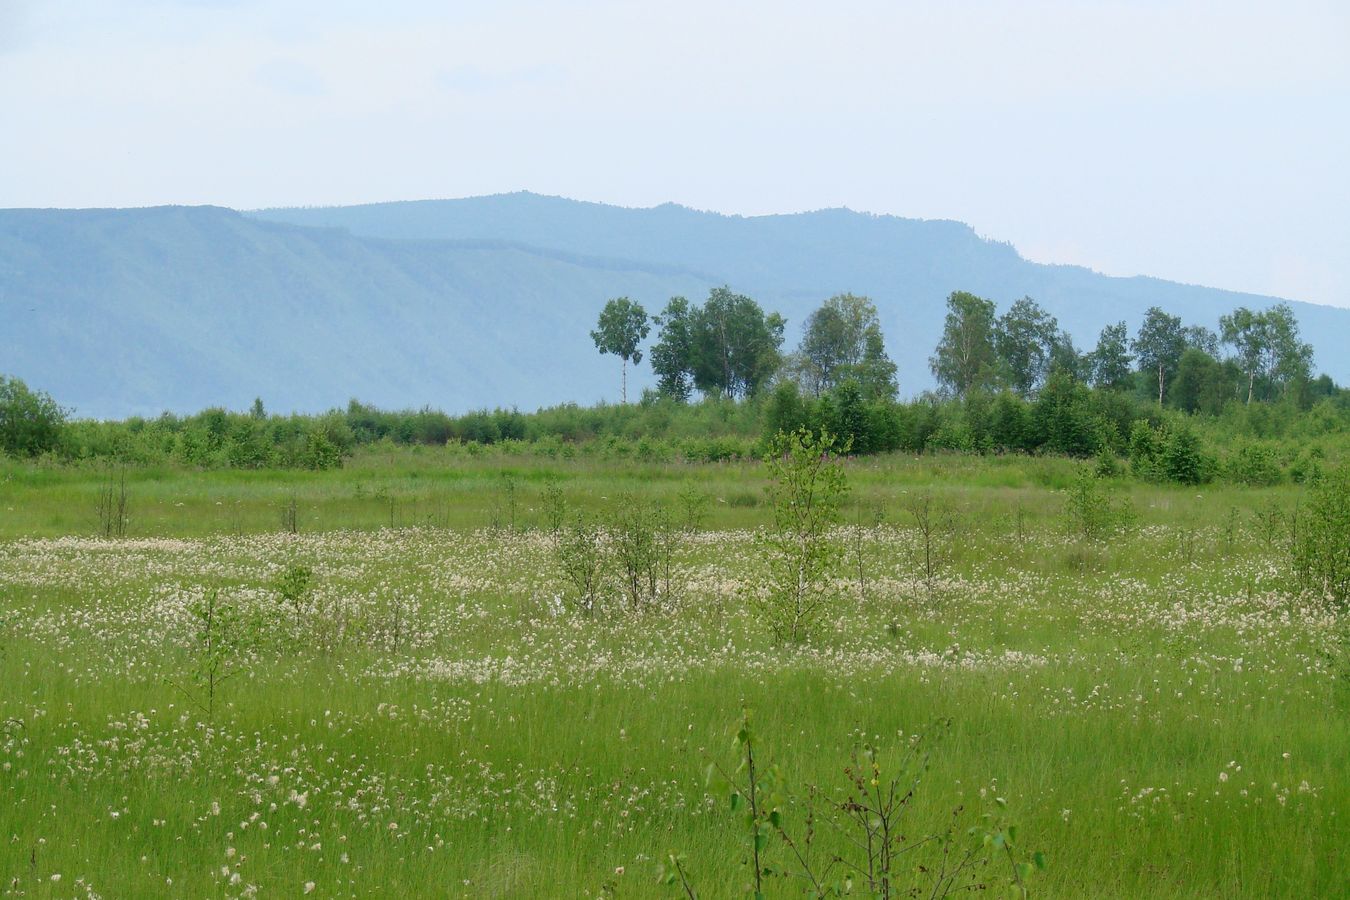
486 301
792 262
118 312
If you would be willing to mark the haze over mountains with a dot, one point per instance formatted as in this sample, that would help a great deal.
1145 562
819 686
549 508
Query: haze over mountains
486 301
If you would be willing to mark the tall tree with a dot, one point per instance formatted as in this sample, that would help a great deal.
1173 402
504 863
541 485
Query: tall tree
1290 358
965 359
735 345
1065 359
1158 346
1202 384
1203 339
1267 347
876 372
623 325
1025 338
1246 332
673 352
835 339
1110 360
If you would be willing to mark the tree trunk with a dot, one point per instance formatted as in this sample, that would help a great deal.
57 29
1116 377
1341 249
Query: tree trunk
1160 383
1251 380
623 390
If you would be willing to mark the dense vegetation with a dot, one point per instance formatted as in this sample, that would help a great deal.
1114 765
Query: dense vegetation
1010 383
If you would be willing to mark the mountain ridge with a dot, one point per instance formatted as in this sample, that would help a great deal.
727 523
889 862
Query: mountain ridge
484 301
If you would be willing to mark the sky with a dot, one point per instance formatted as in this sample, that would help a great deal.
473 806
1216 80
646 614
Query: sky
1199 141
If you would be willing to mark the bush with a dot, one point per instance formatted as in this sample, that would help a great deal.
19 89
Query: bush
1170 453
1307 466
30 421
1145 448
1321 549
1253 464
1183 460
1090 511
580 553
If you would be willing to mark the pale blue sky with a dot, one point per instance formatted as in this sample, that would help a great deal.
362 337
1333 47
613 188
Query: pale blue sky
1199 141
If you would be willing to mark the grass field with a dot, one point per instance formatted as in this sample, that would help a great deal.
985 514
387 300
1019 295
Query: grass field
1160 714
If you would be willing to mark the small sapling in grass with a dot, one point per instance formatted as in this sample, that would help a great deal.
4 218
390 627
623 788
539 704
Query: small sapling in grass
693 508
1091 511
635 539
1270 519
932 548
580 555
861 838
218 638
1232 529
554 503
807 485
113 504
504 504
863 536
293 587
290 516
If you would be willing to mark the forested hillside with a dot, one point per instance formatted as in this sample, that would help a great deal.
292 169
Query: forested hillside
790 263
484 302
132 312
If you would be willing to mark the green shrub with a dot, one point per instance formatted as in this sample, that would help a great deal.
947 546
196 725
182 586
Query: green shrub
1307 466
1091 511
1170 453
1183 460
1321 549
1144 449
1253 464
806 487
30 421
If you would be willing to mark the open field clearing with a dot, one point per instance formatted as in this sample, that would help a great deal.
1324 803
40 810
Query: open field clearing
428 709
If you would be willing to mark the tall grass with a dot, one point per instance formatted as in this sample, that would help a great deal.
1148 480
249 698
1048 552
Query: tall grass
1159 710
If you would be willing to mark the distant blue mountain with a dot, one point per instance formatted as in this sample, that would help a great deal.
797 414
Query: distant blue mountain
793 262
487 301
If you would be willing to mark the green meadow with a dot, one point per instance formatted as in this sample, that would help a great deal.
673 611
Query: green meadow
428 710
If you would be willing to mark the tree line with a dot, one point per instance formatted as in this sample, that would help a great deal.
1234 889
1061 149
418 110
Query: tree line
1009 382
728 346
